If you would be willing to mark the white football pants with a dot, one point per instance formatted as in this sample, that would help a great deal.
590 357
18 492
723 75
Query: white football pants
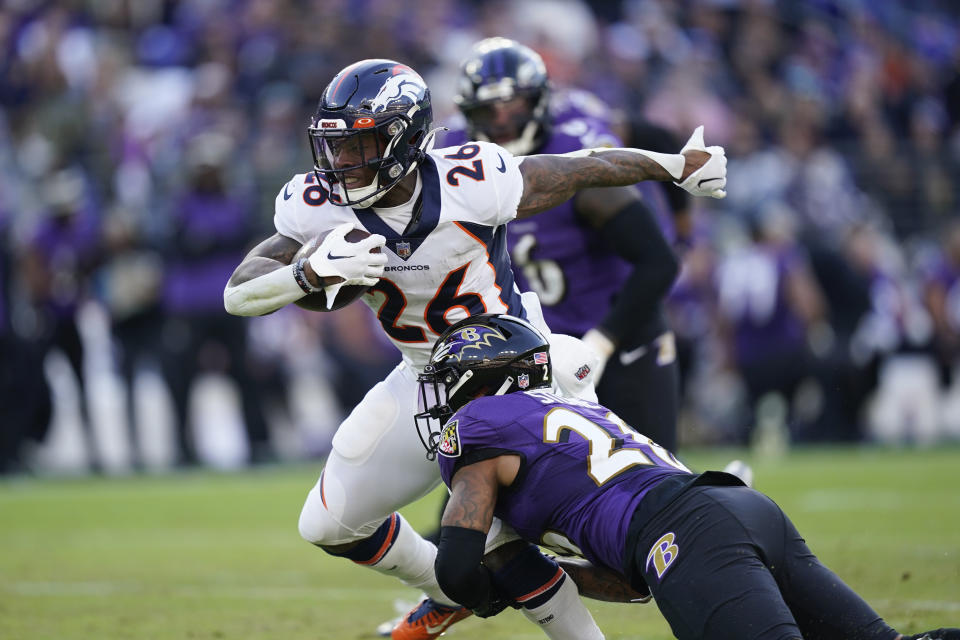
378 464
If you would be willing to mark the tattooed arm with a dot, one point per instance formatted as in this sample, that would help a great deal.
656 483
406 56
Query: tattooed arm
473 492
463 533
600 583
549 180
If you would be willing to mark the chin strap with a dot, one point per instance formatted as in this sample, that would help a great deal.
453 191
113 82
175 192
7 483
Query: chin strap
503 388
453 390
424 147
430 139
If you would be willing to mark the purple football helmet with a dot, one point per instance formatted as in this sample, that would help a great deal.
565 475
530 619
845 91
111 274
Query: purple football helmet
499 70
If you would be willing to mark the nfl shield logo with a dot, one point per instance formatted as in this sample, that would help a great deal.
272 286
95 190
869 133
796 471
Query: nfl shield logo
403 249
523 380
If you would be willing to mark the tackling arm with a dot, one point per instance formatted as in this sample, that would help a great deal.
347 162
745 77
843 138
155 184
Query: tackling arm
600 583
463 532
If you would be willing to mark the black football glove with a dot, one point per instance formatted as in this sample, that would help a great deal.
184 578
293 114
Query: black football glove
494 605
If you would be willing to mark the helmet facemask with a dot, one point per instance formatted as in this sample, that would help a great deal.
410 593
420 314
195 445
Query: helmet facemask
529 124
497 72
343 155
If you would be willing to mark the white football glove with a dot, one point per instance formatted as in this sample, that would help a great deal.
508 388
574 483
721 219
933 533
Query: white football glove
603 347
355 262
711 178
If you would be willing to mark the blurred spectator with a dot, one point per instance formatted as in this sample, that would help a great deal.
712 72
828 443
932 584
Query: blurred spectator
130 282
897 331
847 112
57 264
770 303
845 368
25 405
942 299
211 226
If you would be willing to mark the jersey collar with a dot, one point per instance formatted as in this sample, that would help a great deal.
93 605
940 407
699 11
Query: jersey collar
426 215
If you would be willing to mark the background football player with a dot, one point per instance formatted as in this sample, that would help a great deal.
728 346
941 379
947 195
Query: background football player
445 212
599 261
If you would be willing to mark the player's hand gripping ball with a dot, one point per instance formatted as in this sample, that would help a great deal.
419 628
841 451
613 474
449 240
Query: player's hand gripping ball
348 293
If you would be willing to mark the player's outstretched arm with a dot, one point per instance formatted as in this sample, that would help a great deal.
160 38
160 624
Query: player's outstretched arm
549 180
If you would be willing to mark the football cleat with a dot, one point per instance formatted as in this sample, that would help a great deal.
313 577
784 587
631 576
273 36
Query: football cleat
428 620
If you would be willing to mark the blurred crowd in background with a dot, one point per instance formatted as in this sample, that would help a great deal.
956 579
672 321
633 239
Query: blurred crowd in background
142 144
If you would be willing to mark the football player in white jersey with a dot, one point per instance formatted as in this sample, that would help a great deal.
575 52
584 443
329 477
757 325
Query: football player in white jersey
437 218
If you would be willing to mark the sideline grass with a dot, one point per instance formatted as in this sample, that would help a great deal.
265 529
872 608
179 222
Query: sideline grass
217 556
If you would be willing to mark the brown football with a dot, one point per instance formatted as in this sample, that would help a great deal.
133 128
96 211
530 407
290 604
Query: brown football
347 294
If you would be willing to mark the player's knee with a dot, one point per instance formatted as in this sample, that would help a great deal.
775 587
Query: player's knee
314 525
318 526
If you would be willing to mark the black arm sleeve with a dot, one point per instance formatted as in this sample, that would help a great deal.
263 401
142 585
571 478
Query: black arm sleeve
459 567
635 236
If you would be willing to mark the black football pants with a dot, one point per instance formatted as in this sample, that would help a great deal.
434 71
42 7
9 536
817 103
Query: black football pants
725 563
642 386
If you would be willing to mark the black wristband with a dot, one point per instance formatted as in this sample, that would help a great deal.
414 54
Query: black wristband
301 277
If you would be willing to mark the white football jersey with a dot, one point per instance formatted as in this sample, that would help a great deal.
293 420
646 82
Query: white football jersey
449 262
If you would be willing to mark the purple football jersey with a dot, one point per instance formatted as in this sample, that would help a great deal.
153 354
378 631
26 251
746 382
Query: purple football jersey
947 276
582 475
752 285
66 246
194 279
573 270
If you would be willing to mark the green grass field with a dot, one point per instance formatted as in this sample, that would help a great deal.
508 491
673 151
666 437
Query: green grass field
209 555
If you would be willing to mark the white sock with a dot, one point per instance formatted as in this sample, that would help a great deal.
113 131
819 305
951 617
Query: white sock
411 560
564 616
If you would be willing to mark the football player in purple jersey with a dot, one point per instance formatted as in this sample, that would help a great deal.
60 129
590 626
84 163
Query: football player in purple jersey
599 262
720 559
435 253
